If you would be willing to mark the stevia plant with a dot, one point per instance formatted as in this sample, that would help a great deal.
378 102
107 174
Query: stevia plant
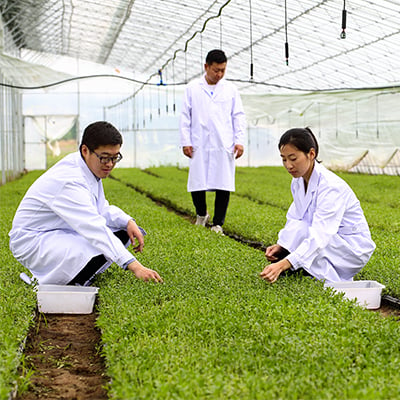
257 209
375 189
246 218
265 185
17 301
215 330
170 192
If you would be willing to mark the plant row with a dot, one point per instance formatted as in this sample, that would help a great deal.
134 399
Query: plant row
258 208
17 301
251 220
214 329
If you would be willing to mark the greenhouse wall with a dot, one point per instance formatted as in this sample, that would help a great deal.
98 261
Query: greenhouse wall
11 124
149 122
357 129
143 148
11 132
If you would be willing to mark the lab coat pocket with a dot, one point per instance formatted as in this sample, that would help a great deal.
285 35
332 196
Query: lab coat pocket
230 154
223 105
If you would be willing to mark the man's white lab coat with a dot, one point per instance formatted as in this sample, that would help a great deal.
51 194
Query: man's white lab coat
63 221
212 122
326 231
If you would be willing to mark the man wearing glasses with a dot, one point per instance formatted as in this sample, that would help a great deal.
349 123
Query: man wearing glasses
64 231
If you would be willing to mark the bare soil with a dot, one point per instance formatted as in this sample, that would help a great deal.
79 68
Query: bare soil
389 311
63 351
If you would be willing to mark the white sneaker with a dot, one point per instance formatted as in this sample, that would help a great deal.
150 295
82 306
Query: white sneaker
202 220
217 229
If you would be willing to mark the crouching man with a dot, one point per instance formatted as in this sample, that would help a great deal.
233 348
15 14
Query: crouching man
64 231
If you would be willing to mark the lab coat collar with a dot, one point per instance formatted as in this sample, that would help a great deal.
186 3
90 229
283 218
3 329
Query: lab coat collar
91 178
205 86
304 199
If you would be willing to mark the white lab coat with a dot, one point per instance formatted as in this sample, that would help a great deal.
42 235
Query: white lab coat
63 221
212 122
326 231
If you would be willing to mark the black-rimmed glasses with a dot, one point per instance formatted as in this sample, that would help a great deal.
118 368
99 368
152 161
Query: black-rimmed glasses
107 159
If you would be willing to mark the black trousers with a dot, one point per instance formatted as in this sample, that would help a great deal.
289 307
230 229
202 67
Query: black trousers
220 205
96 263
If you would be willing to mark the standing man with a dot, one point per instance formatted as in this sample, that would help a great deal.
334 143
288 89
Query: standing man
64 230
212 128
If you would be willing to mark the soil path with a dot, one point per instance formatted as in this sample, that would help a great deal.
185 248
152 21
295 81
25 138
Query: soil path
389 311
63 351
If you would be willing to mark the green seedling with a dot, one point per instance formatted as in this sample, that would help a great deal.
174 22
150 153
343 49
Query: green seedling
214 330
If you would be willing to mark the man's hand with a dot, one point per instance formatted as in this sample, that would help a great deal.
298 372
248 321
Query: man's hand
134 233
238 150
143 273
188 151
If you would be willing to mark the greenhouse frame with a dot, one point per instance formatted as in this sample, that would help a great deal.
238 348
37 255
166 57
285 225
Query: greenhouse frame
338 75
189 298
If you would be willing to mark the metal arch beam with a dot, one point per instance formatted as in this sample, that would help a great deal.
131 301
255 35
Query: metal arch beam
10 19
17 32
159 56
121 25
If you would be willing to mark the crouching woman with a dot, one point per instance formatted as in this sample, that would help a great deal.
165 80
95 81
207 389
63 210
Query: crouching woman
326 234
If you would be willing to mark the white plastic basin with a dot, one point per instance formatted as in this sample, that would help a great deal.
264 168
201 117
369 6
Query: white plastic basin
63 299
367 293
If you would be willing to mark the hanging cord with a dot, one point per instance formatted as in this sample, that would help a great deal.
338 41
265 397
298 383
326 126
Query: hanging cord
166 92
183 83
158 101
173 79
158 91
344 17
185 67
201 54
160 83
251 43
220 31
144 109
286 37
184 50
150 105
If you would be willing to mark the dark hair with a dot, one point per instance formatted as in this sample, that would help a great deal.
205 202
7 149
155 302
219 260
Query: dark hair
301 138
100 133
216 56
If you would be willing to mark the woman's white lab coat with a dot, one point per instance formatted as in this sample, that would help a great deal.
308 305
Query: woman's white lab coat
63 221
326 231
212 122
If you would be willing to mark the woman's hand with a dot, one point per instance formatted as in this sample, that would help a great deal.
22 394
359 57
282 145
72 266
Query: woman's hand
271 252
271 272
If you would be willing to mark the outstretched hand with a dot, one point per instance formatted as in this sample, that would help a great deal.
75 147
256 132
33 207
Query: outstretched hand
143 273
271 272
